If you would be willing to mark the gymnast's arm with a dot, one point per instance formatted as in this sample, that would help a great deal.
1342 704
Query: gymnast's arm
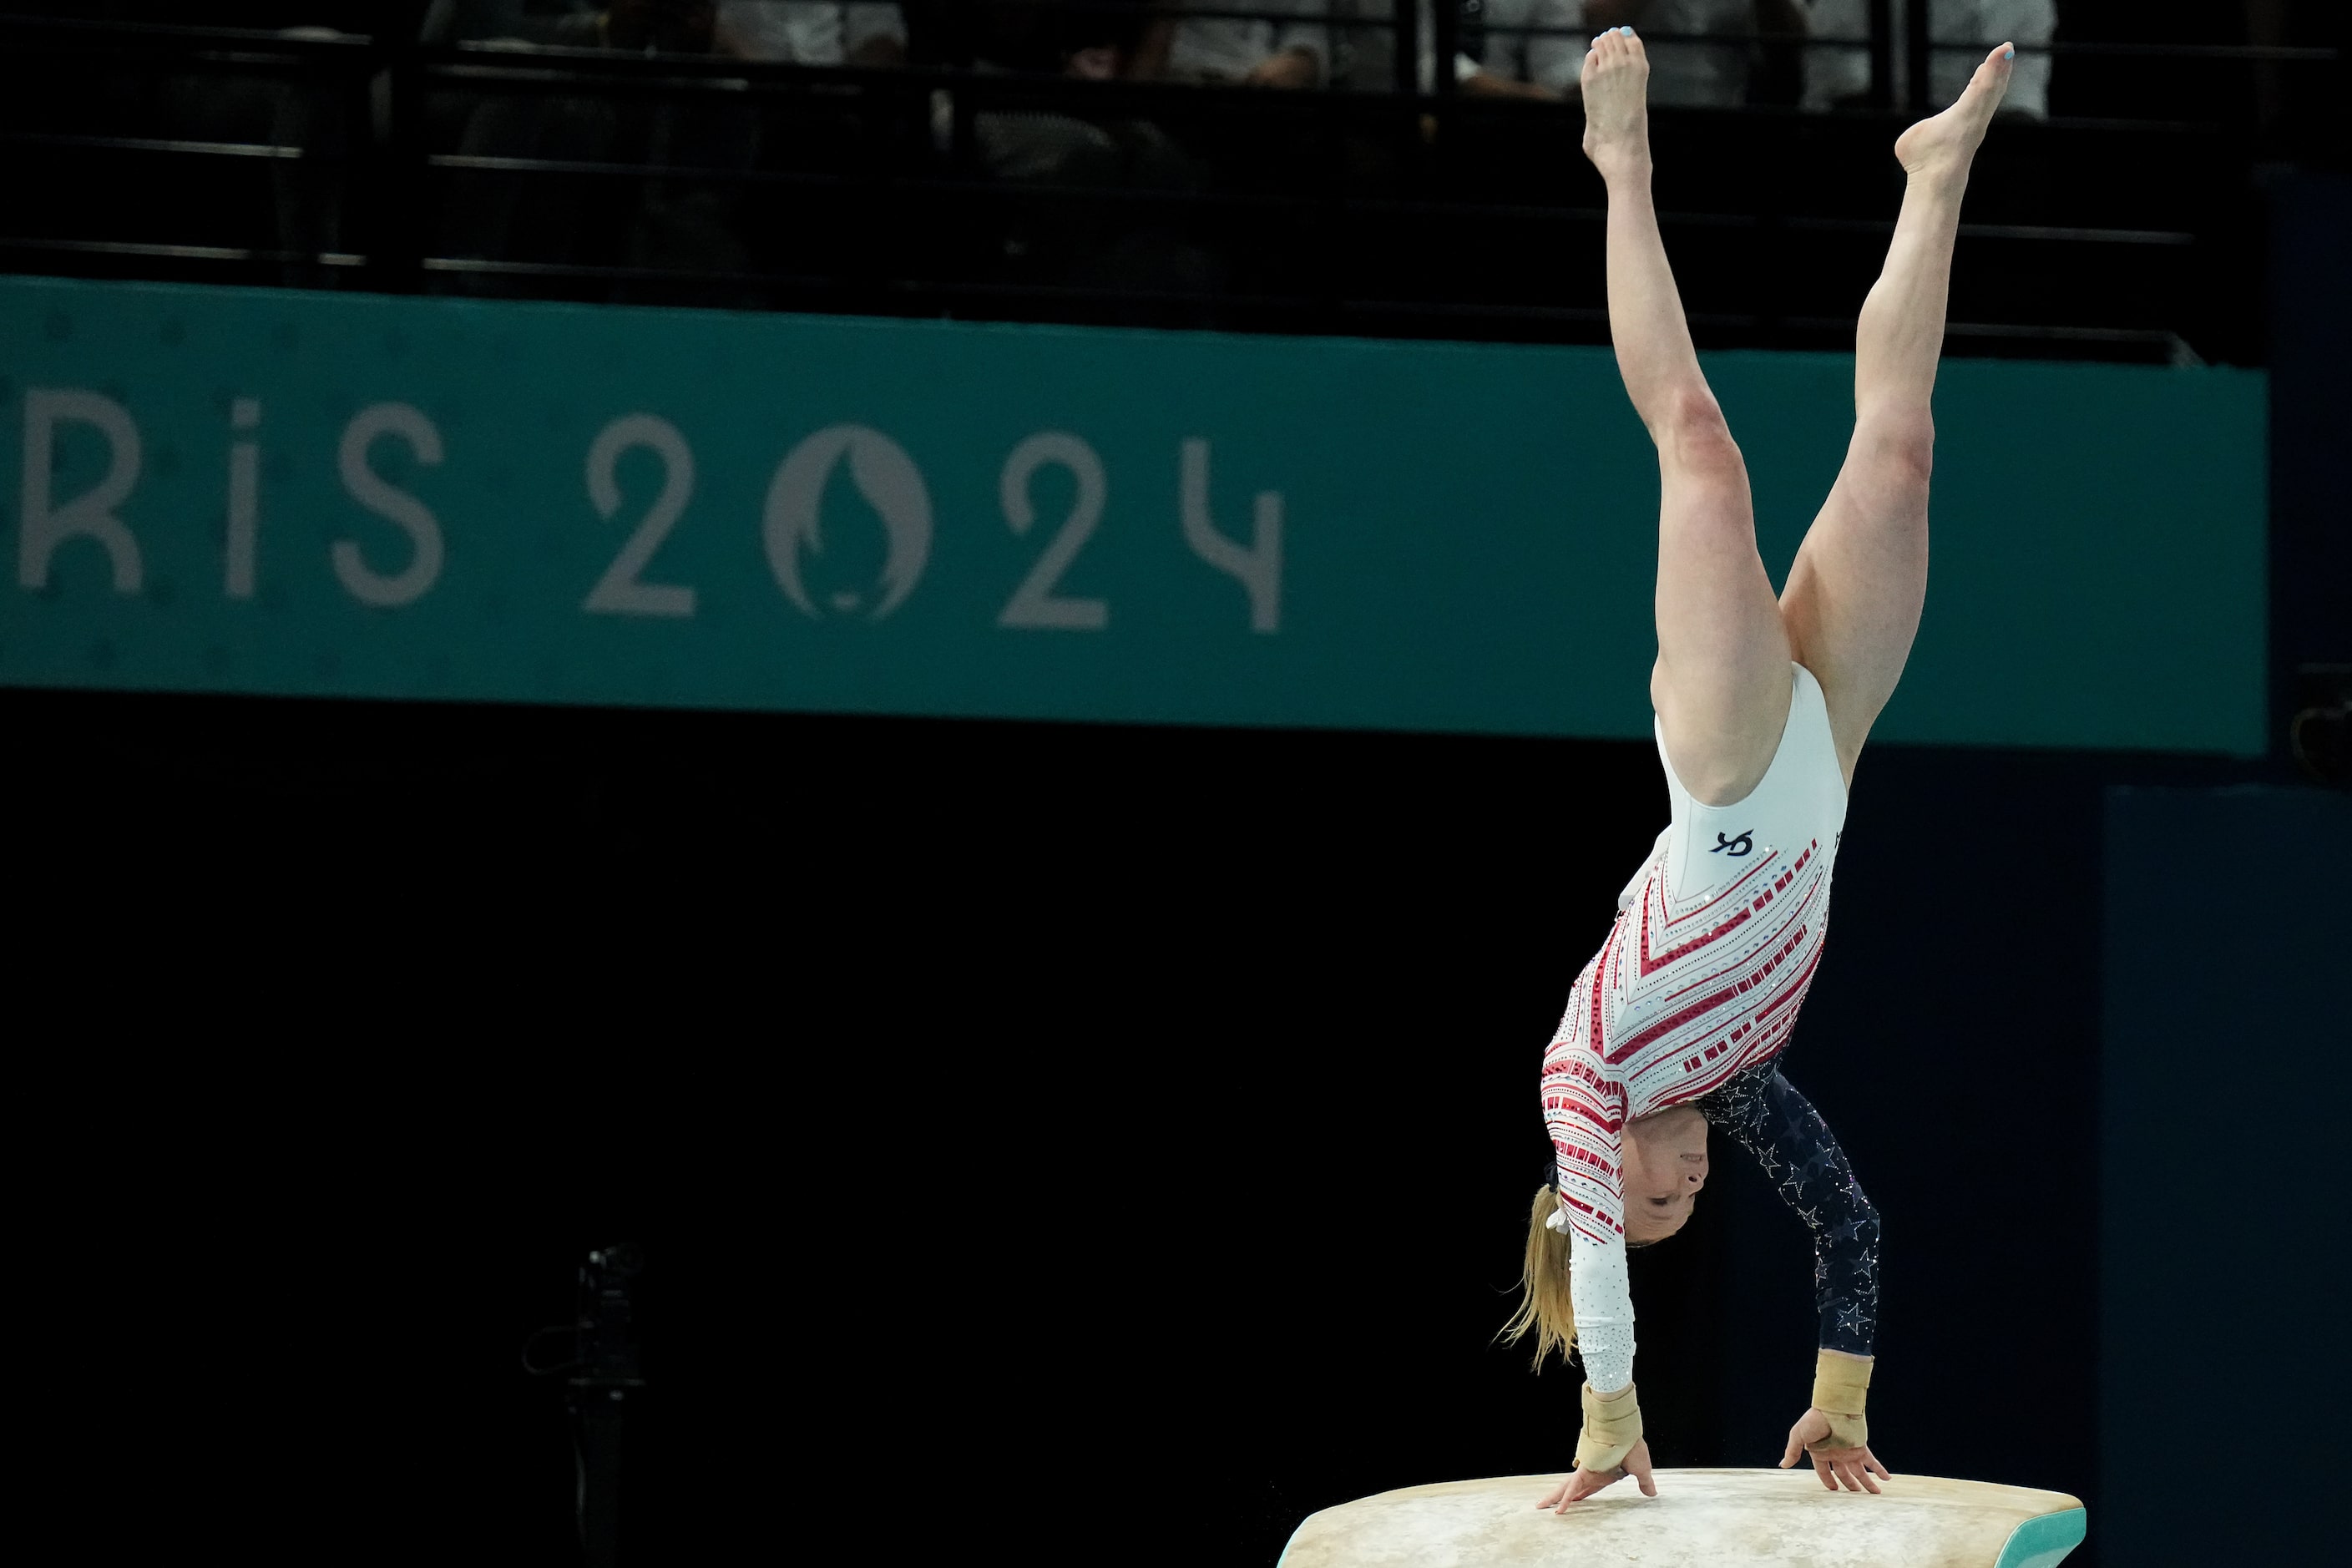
1611 1445
1604 1298
1584 1110
1589 1215
1798 1154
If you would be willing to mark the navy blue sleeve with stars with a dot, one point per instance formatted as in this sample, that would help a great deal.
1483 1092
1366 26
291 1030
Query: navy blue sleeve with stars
1800 1156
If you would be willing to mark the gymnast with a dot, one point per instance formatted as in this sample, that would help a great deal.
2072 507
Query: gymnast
1762 704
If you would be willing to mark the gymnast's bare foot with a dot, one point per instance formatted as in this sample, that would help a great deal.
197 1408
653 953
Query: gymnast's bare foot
1616 82
1942 145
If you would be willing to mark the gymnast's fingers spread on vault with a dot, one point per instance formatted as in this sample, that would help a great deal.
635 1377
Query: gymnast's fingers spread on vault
1584 1483
1553 1497
1821 1468
1871 1461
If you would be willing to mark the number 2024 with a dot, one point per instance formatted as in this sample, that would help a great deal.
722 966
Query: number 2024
893 486
881 468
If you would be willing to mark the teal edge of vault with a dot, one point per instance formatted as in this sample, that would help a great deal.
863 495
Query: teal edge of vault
2044 1540
1286 1545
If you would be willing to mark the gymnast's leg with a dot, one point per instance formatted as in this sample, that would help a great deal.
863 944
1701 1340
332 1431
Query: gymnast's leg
1721 682
1854 594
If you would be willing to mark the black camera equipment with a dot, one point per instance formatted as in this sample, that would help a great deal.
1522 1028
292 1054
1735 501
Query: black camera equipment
605 1375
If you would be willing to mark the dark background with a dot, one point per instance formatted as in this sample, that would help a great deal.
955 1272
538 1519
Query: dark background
1048 1135
2225 972
1064 1129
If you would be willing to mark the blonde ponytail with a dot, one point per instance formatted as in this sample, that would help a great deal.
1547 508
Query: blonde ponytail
1544 1310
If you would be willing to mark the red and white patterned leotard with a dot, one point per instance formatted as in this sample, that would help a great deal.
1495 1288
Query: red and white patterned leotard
1715 943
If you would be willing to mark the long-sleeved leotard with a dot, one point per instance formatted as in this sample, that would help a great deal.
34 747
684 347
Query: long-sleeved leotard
1799 1152
1717 938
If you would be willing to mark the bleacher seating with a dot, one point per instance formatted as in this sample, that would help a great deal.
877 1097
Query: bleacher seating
381 146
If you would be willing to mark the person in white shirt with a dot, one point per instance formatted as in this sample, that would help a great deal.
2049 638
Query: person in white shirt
1837 60
813 32
1293 52
1548 61
1491 58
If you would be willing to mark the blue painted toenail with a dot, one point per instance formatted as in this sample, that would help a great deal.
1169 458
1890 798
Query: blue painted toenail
1627 31
2009 54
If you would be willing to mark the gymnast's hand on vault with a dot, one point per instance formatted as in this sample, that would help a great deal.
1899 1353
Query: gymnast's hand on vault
1582 1484
1854 1467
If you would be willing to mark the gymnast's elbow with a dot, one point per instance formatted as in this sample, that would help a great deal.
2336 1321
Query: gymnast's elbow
1864 1217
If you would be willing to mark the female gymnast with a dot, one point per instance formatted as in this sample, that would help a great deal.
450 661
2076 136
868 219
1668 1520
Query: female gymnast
1762 706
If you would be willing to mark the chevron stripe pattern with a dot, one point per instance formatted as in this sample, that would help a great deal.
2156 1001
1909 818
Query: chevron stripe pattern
1680 997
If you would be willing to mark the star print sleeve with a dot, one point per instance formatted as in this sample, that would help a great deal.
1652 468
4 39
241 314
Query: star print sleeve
1800 1156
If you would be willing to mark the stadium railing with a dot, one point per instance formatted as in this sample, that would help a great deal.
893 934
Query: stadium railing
338 157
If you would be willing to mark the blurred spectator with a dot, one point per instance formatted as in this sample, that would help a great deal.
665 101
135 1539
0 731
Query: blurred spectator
681 215
1090 38
1293 52
1837 64
1548 62
498 216
1491 58
1067 235
1688 68
562 22
1086 43
666 27
813 32
807 32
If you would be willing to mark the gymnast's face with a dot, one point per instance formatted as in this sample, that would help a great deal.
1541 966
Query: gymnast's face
1665 1165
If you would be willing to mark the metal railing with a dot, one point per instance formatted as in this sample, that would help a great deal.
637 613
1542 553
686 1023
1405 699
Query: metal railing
373 149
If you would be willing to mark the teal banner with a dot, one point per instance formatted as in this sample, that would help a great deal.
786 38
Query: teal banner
319 494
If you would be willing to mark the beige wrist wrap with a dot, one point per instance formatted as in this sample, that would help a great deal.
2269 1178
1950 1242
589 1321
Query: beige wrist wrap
1840 1385
1612 1425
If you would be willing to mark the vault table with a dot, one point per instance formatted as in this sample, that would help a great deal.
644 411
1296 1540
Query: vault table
1700 1519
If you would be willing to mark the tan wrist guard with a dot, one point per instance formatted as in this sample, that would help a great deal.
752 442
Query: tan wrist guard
1612 1425
1841 1383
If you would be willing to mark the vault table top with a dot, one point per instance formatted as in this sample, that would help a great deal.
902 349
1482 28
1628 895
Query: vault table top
1721 1518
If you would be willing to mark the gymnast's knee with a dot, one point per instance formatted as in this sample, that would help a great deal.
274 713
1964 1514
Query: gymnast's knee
1900 446
1693 438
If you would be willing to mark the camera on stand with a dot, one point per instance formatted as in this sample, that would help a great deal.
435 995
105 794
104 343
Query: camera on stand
606 1375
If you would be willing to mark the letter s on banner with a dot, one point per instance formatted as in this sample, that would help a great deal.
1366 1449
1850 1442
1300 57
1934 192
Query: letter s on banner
389 502
1258 567
45 526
